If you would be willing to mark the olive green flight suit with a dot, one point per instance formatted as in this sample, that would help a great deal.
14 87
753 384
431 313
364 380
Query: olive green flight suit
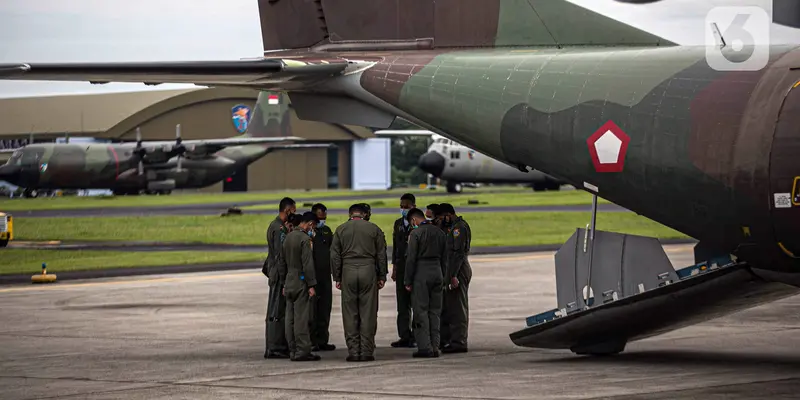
299 275
400 233
358 248
455 318
276 307
425 268
320 334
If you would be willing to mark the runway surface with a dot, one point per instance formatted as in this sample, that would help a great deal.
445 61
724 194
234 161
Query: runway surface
217 209
201 336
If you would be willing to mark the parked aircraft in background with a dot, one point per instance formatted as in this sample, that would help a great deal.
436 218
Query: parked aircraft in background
153 167
458 165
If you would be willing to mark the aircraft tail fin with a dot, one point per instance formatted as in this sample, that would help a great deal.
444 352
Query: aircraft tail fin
379 25
270 117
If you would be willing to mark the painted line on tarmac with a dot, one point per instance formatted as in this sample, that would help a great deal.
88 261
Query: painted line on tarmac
56 286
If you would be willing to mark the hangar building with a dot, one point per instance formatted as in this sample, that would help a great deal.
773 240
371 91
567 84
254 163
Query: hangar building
203 113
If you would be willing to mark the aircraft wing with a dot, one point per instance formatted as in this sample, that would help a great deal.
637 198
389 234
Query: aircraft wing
403 132
157 151
7 151
260 73
303 146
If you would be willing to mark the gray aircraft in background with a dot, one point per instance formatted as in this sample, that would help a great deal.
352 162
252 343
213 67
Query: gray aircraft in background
459 165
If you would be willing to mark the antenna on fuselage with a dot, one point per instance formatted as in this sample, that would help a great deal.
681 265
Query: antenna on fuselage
178 140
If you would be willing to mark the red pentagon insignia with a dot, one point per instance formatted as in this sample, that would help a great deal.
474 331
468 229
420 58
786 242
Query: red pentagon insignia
608 147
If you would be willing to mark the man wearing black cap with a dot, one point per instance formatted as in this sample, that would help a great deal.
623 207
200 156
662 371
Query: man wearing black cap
455 321
323 236
402 228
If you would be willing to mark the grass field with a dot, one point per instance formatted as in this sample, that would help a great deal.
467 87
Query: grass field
72 202
527 198
24 261
489 229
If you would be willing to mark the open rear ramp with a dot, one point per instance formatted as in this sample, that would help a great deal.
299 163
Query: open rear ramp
634 293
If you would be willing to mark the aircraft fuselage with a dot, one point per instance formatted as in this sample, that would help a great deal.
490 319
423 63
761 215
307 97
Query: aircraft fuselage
457 163
115 166
708 152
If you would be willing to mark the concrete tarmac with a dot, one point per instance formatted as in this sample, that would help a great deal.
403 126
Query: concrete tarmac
201 336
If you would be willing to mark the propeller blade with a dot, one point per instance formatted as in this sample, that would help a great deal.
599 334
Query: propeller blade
66 137
139 150
180 159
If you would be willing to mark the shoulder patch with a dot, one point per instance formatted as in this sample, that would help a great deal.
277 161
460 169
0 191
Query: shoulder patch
456 232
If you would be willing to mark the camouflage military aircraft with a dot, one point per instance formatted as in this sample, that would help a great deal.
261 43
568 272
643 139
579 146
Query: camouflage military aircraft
149 166
546 84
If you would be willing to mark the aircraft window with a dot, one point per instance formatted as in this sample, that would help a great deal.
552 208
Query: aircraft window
455 155
30 157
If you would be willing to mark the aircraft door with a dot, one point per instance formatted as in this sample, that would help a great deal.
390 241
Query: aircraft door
785 174
31 166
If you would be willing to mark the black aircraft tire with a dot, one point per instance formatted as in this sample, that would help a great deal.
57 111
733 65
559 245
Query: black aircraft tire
539 187
4 243
454 187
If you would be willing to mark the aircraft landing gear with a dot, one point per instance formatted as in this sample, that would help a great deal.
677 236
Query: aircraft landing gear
454 187
30 193
611 348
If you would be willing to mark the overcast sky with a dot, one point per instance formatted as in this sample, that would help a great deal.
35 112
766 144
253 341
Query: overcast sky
171 30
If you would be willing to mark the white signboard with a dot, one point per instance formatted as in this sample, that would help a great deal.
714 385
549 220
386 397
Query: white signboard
372 164
783 200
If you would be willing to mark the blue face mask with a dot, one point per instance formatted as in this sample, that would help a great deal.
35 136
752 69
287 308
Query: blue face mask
310 233
403 212
321 223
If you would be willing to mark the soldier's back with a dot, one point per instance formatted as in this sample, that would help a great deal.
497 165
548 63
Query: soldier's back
433 240
359 239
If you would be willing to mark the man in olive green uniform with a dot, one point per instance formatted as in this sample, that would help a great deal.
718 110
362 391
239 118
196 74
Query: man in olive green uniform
432 215
277 347
400 231
297 270
425 268
459 273
359 247
323 236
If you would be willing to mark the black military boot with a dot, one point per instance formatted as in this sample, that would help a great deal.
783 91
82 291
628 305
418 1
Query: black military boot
454 348
324 347
307 357
277 354
409 343
423 354
352 358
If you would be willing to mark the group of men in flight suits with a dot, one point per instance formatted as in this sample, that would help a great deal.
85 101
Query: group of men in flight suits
430 268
